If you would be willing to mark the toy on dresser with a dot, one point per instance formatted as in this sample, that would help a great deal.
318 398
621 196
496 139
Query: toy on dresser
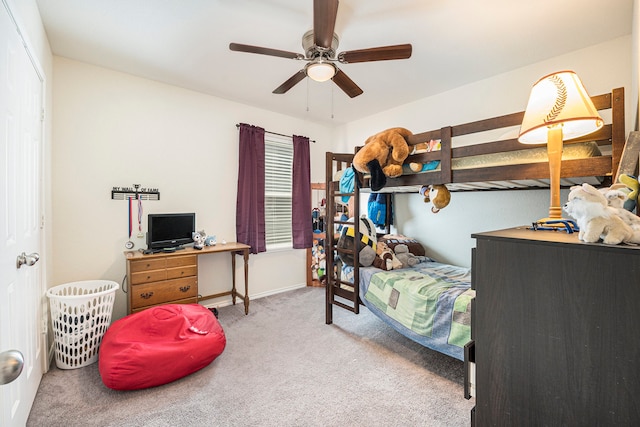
597 219
201 239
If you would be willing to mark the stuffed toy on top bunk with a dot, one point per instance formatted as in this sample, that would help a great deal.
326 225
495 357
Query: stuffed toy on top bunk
596 219
382 156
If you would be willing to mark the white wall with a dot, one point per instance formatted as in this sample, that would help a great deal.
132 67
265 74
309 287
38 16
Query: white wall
447 235
113 129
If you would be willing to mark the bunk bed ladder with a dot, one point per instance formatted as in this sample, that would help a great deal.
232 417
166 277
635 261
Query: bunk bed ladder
340 292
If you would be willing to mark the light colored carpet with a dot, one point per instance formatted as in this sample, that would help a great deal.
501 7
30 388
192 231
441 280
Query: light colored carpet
282 367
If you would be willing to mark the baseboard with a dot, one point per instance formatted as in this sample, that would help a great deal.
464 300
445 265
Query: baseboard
227 300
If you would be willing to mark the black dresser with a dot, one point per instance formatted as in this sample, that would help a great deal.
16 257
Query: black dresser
556 327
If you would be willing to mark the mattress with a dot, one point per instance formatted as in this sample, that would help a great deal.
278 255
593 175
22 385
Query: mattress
579 150
429 303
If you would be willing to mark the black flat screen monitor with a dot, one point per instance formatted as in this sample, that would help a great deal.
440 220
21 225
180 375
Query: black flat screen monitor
170 230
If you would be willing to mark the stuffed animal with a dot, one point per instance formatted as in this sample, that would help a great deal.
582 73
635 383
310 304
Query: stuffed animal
425 147
210 241
368 241
596 219
617 199
382 156
438 195
631 182
199 238
405 257
385 258
616 195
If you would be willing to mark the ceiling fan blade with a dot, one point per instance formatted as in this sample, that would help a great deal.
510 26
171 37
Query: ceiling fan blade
291 82
384 53
237 47
325 13
346 84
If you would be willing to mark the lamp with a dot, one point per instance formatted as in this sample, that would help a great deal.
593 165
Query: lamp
320 71
559 108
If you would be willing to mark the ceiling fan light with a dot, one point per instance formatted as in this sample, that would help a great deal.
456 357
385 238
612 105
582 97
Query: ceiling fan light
321 71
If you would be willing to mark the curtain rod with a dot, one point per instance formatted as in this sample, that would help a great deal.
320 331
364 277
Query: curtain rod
276 133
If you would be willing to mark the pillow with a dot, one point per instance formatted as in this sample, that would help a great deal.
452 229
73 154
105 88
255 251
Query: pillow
392 240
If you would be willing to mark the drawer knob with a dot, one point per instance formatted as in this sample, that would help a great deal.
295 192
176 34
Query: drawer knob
146 295
185 288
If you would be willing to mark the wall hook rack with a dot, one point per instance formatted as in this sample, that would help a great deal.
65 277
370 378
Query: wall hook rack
135 192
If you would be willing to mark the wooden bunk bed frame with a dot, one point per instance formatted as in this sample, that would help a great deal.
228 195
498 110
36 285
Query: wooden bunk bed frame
613 134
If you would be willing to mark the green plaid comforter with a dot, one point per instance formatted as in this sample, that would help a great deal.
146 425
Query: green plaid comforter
430 303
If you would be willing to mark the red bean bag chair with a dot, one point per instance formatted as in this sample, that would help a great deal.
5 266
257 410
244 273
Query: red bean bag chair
159 345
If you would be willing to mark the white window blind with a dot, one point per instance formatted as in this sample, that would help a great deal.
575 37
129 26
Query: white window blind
278 189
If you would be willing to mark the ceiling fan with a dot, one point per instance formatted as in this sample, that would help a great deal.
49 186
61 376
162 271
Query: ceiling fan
320 45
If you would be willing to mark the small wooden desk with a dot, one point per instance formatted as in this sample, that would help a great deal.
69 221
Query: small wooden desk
156 272
235 249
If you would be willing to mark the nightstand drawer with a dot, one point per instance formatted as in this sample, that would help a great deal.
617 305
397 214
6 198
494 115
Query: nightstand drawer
148 276
163 292
144 265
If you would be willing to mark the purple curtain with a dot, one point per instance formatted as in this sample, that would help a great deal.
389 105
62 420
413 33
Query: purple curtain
301 223
250 222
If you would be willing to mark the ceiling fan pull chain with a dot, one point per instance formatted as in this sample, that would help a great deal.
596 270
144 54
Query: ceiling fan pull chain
307 94
332 88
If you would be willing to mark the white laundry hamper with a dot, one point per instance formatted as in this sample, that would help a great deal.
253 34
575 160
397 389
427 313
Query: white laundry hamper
80 314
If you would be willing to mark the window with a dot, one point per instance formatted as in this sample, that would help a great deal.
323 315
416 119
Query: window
278 191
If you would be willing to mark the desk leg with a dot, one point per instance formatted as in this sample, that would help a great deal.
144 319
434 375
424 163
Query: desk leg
246 281
233 276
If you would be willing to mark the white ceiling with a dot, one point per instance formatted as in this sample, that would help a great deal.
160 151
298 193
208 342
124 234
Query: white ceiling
455 42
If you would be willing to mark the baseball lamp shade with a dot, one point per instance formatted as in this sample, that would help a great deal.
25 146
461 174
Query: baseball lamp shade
559 109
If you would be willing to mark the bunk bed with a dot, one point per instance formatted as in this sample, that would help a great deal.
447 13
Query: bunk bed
461 166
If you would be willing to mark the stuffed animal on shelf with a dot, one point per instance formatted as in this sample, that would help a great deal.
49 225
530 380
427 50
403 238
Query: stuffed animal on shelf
438 195
199 238
596 219
382 156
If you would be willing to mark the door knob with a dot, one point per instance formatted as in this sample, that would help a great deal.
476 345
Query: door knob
11 363
29 260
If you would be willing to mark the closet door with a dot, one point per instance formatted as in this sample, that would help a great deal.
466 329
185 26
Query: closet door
22 299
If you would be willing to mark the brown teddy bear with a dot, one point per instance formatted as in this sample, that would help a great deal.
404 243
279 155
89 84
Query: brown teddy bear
382 156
